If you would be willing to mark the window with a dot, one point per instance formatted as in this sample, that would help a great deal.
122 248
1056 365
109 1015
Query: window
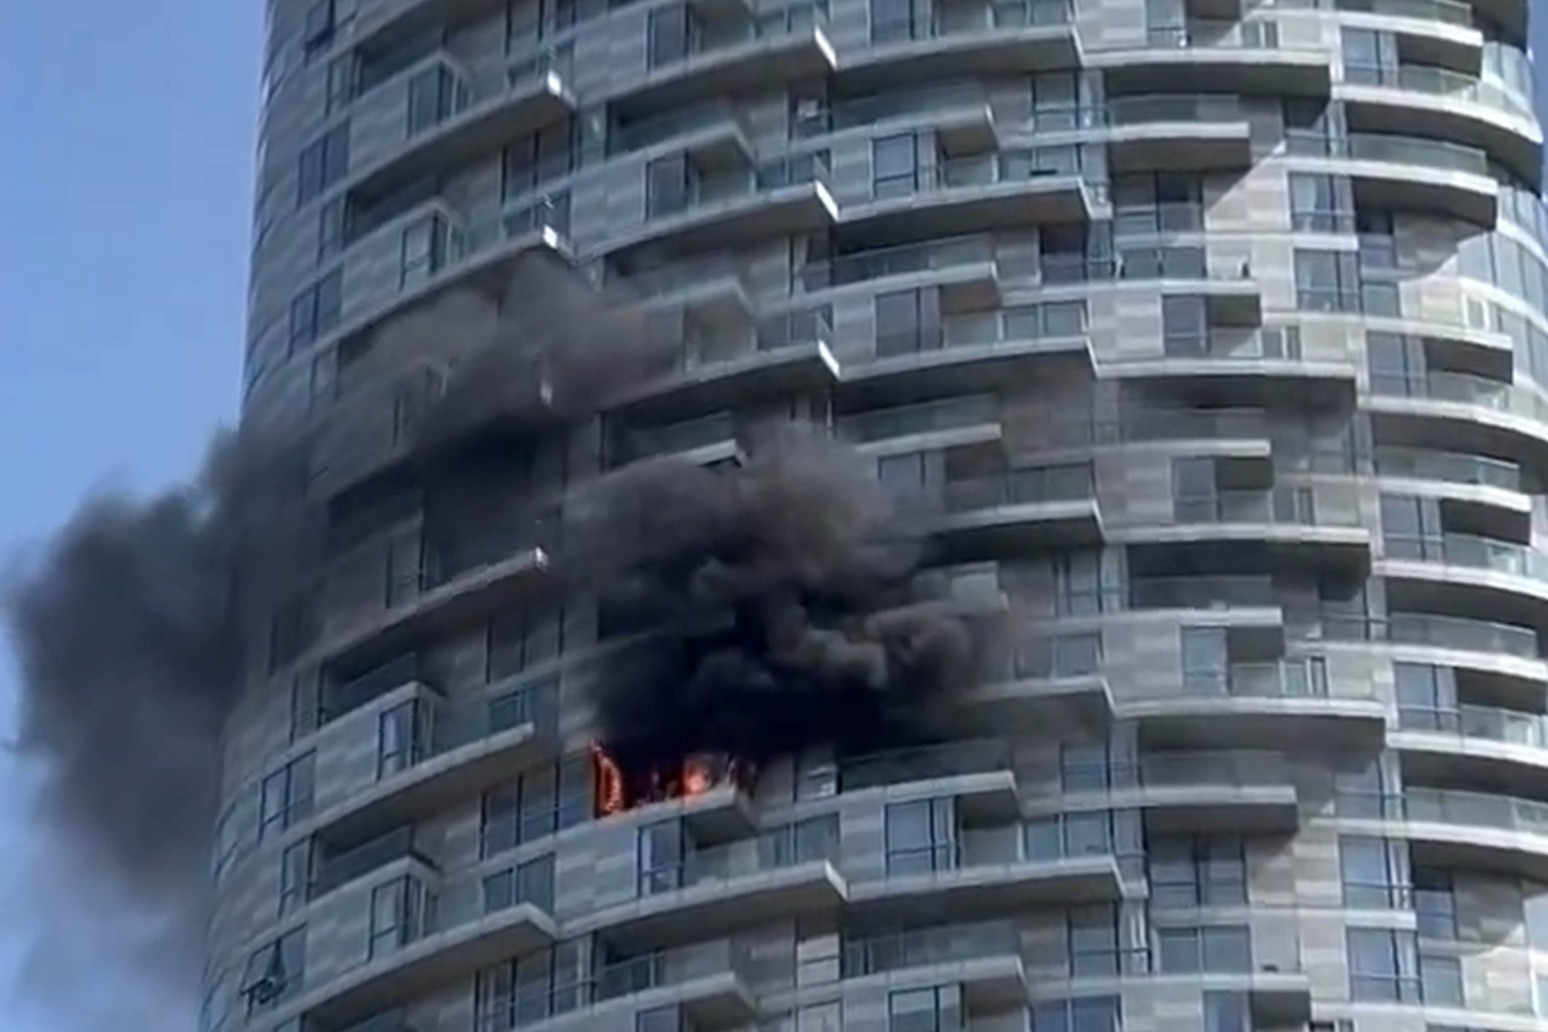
1372 872
1063 655
1092 944
1195 497
660 1019
1095 766
1321 203
1084 585
921 836
1051 320
397 908
1427 697
286 795
1206 661
894 166
1226 1012
938 1009
892 20
1327 281
333 227
1435 903
904 475
1198 871
906 323
1081 1014
530 882
423 250
316 310
1215 949
540 802
1145 205
402 734
1370 57
1313 128
1396 364
528 990
660 857
1084 833
1535 914
295 877
668 189
538 158
1378 239
1440 980
522 639
1362 794
317 31
1411 527
1383 966
275 972
1184 326
323 162
674 33
434 94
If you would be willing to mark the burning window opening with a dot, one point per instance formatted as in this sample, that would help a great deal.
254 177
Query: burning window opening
616 790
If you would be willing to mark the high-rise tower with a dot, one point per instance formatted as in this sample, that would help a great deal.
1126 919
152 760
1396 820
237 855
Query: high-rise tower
1219 328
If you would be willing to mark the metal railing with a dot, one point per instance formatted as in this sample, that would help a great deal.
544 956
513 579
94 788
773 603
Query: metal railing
1450 467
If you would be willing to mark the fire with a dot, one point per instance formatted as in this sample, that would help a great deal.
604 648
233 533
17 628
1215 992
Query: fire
615 791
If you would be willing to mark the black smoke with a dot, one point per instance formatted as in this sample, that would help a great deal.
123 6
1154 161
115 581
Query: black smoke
762 608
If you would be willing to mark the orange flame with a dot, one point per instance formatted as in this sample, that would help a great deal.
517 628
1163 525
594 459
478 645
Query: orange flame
607 779
615 791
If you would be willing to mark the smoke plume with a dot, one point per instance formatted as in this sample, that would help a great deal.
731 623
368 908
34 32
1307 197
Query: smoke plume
766 608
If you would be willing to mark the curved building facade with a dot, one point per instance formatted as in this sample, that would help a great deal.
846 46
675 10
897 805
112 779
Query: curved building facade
1219 329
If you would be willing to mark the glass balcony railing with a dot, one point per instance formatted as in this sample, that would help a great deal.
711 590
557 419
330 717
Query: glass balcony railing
1498 556
1449 632
456 556
1121 111
1164 425
959 19
789 846
770 26
1285 505
1438 82
922 947
1216 34
341 867
894 261
1486 722
1468 389
1232 343
1009 166
924 418
819 118
1304 677
1221 592
1412 150
1450 467
922 763
440 92
414 732
646 132
1021 487
1236 768
1449 12
719 189
1474 810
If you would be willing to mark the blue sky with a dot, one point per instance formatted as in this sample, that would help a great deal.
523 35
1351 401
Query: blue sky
125 193
125 200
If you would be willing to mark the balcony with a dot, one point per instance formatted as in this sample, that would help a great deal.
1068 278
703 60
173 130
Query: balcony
446 119
461 927
1223 594
734 51
725 208
1445 105
1216 793
344 866
1166 133
978 775
373 429
1234 56
930 425
992 877
789 358
1466 573
1462 830
1422 175
1239 365
1476 745
1427 32
1463 412
966 39
735 885
983 957
1474 490
1262 705
1236 431
964 268
975 193
965 354
1452 345
430 752
1054 683
1019 511
709 982
1321 525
